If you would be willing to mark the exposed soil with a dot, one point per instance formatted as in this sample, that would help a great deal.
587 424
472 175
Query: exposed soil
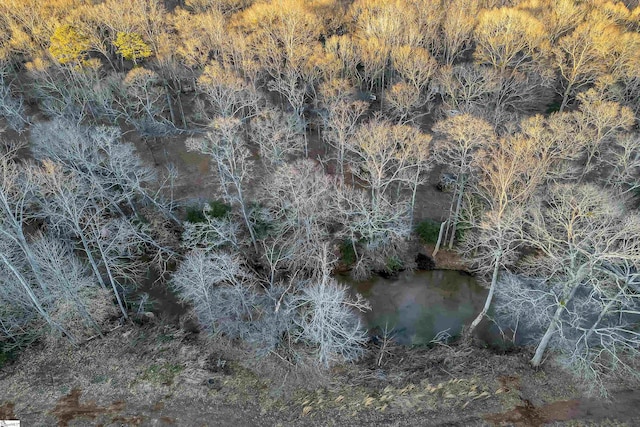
69 408
6 411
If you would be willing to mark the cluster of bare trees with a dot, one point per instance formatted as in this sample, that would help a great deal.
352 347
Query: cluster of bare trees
530 106
71 237
229 298
553 228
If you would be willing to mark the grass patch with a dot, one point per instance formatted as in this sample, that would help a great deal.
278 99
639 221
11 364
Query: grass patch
99 379
428 231
162 374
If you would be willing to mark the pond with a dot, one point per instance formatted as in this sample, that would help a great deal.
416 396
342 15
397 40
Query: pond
417 306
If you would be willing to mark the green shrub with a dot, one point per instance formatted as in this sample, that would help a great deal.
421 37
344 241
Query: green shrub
217 209
195 214
428 230
554 107
347 252
8 353
394 264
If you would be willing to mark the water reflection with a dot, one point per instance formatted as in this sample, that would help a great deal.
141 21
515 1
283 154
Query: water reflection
418 305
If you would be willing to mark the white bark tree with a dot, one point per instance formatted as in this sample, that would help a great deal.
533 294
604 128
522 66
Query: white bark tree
342 112
73 211
388 158
327 316
98 156
585 240
220 289
31 274
462 137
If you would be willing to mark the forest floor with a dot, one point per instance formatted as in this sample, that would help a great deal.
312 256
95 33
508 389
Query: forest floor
157 374
196 181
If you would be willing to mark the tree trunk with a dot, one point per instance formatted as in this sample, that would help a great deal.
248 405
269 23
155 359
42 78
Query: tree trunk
35 301
546 338
544 342
603 313
169 103
413 196
456 214
487 303
92 261
565 98
113 283
440 234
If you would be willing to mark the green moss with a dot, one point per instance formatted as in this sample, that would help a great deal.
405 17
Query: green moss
553 108
219 209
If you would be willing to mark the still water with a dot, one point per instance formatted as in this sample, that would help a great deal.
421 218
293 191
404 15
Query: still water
419 305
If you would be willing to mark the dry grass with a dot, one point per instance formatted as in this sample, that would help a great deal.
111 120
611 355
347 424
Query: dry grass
144 375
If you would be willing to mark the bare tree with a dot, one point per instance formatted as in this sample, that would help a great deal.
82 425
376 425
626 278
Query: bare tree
227 148
386 157
492 247
278 136
511 173
623 158
302 201
143 103
226 94
17 256
98 156
74 298
463 136
327 317
220 289
73 211
11 105
467 88
381 229
600 121
343 111
211 234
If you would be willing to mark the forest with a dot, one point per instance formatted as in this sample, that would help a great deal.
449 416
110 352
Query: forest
327 124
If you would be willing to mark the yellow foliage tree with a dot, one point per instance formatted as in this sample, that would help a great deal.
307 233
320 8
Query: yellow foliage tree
68 45
132 47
